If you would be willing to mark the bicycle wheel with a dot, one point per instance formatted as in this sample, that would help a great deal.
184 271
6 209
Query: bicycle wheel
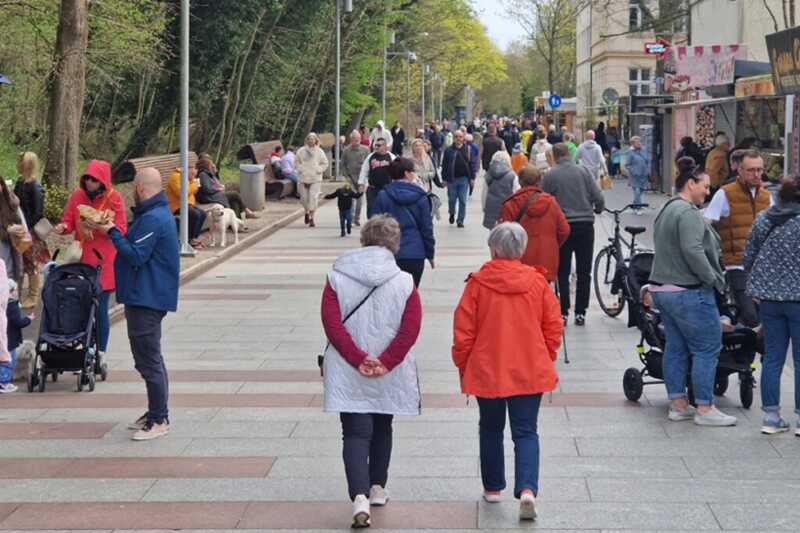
605 269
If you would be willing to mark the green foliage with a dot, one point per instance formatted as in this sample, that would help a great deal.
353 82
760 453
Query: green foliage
55 199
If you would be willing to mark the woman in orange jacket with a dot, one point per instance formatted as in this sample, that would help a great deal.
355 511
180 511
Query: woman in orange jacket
507 331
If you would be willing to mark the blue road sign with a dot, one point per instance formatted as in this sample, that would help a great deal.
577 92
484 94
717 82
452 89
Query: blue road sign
555 101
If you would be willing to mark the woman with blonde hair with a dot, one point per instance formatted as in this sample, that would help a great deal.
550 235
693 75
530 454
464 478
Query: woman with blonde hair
423 164
31 198
310 163
501 183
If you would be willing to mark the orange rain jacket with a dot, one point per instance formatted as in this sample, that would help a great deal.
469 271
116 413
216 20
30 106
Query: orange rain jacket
507 331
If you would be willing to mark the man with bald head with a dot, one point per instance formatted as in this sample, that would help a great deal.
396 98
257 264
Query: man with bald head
590 155
147 270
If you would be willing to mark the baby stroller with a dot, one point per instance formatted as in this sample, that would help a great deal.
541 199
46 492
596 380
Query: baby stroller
68 329
738 347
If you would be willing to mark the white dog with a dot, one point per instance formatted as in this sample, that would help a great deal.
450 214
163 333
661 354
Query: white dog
223 218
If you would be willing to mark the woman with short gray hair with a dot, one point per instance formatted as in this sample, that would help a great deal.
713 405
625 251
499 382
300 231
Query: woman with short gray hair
372 314
508 363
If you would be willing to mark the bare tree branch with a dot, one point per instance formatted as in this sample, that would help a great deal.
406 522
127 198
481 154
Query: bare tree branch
771 14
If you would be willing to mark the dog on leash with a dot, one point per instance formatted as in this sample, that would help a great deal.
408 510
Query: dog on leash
223 218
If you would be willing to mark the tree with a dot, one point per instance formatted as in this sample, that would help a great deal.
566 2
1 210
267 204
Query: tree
67 93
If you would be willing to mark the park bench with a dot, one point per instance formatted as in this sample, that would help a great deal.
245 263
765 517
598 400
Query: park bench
259 154
165 164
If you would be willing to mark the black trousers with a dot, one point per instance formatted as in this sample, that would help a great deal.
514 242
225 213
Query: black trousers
197 217
367 450
372 196
144 334
415 267
748 314
236 203
580 243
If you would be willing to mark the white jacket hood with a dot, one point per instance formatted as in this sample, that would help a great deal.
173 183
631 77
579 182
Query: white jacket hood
370 266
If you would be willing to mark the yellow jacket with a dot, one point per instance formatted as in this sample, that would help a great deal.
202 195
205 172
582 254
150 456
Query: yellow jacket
174 190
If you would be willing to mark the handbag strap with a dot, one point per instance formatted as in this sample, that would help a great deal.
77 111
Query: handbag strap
525 207
362 302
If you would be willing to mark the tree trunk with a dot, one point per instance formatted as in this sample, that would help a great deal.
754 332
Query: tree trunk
67 93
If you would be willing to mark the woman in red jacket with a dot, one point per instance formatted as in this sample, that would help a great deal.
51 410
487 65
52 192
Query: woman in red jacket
96 191
543 220
506 362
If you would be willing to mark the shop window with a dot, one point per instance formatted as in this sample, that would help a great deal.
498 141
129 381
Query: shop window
638 81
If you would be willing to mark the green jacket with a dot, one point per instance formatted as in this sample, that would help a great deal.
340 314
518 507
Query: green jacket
687 249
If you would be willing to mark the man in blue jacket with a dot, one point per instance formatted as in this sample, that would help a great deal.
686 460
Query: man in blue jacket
458 175
147 271
638 167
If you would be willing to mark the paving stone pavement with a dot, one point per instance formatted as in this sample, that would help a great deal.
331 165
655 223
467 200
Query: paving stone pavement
251 448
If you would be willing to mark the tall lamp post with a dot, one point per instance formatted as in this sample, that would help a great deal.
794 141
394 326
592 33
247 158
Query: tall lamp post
186 249
425 69
386 55
348 8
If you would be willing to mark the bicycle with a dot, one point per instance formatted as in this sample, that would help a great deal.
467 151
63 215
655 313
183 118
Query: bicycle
610 262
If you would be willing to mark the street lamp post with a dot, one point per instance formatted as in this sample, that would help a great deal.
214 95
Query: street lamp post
348 8
424 69
186 249
385 61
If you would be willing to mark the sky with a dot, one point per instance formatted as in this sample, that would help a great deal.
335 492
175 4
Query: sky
502 28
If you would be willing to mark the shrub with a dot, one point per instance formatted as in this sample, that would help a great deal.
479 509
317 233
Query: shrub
55 200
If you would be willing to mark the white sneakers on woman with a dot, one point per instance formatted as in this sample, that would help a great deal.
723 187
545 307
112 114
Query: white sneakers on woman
361 512
378 496
527 506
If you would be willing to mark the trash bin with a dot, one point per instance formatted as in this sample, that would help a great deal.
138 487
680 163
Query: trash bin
251 186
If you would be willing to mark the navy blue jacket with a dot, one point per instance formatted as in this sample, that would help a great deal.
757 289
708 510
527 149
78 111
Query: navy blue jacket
16 323
464 156
147 267
410 206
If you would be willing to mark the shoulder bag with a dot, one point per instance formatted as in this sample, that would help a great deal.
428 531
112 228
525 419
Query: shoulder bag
525 207
321 357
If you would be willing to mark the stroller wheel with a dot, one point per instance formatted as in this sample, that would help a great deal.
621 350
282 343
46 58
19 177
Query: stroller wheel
80 382
54 376
31 381
92 380
746 391
720 385
632 384
104 372
41 379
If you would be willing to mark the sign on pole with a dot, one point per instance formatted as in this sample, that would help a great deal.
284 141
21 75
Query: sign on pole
658 48
555 101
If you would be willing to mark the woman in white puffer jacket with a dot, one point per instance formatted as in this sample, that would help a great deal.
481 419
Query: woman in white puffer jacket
310 162
372 316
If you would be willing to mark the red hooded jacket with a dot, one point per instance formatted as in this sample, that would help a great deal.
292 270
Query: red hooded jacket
109 199
545 224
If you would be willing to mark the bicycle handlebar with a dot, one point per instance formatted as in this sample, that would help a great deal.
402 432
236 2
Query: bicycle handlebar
629 206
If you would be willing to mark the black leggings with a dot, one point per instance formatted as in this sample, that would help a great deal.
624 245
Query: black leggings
367 450
415 267
236 203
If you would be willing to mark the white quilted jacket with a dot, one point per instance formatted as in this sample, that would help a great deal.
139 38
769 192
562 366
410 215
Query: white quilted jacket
372 327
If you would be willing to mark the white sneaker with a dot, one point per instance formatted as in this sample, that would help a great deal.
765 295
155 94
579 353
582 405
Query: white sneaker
491 497
8 387
378 496
527 506
714 417
360 512
680 415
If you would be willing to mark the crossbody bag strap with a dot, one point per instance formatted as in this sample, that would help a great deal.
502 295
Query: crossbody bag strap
321 357
525 207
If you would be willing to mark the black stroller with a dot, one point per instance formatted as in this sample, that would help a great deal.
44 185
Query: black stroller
739 347
68 339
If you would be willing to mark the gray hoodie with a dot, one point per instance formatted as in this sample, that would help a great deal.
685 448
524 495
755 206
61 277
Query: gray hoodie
499 187
575 191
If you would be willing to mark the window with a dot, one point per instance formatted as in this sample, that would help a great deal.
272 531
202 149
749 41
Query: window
634 15
638 81
680 25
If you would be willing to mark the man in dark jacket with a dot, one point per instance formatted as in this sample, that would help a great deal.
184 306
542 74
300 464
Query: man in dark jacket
436 137
458 175
491 144
580 198
147 272
511 137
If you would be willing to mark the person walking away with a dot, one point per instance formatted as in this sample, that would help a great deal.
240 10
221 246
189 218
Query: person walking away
511 138
518 159
458 177
580 198
717 165
353 157
398 139
197 217
423 164
96 191
590 155
345 196
553 137
311 163
438 141
638 166
288 171
732 210
772 263
474 156
147 271
501 183
601 138
525 136
408 203
543 220
569 140
380 132
30 194
508 363
686 272
375 173
541 153
491 144
372 315
212 190
16 322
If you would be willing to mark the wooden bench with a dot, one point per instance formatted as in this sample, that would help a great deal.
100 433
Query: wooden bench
259 154
165 164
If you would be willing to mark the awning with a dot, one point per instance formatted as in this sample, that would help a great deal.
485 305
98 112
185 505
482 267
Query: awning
717 101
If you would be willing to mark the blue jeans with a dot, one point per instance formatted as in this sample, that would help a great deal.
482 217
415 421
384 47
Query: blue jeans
781 323
457 190
103 325
346 220
637 195
691 324
523 411
7 369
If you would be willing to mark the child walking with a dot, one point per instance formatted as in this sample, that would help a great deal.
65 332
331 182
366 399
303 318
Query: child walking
345 196
16 322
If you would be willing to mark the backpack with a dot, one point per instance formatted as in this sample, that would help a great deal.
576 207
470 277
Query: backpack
539 156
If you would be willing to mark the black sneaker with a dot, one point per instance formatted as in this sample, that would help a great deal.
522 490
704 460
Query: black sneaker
349 230
343 233
452 219
138 423
460 224
580 320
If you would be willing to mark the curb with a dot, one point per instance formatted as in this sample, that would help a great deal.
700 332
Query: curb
117 313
